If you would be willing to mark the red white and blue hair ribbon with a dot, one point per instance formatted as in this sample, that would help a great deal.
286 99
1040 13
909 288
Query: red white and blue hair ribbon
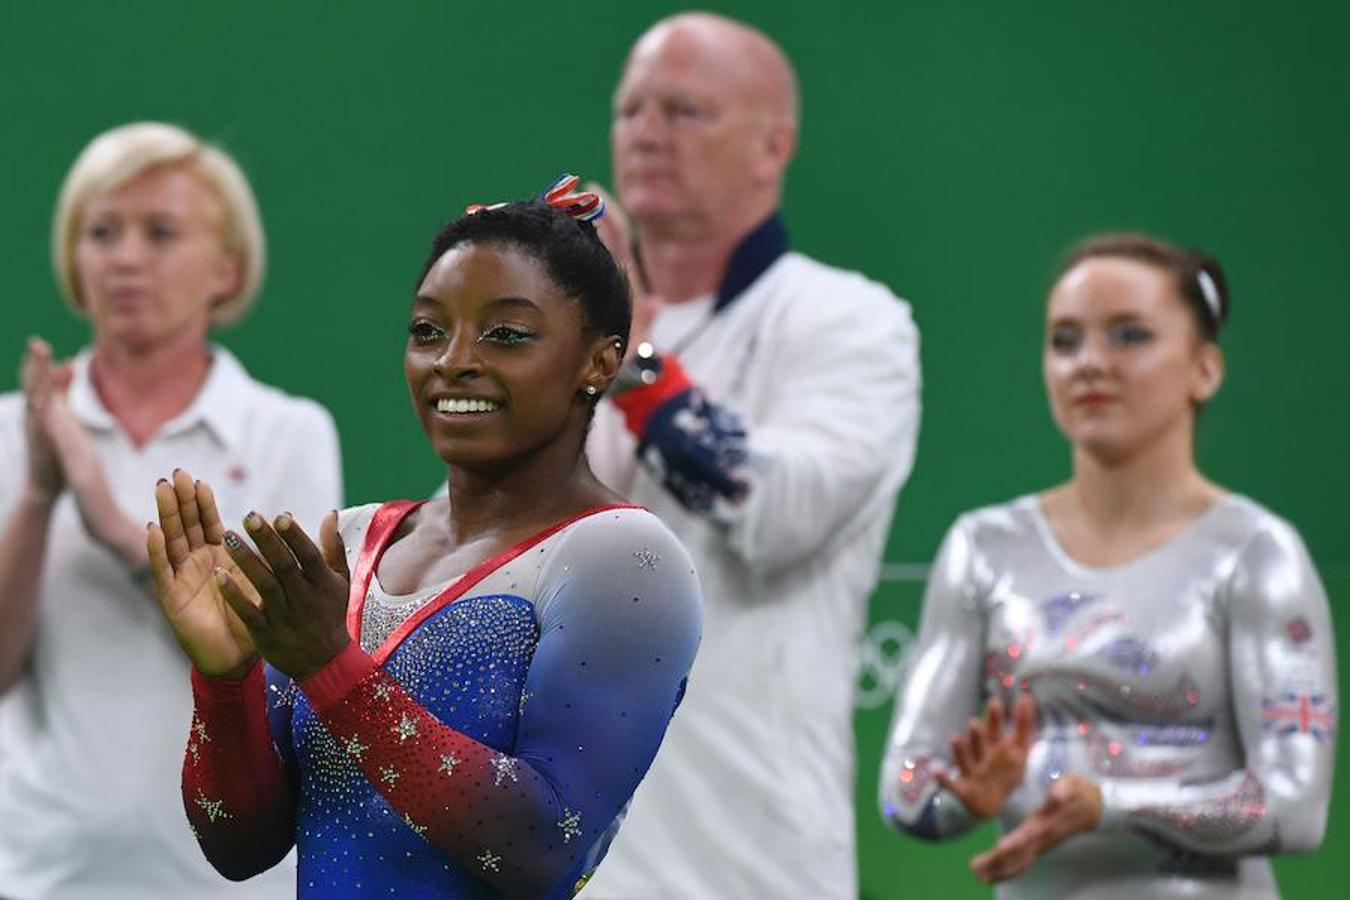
562 195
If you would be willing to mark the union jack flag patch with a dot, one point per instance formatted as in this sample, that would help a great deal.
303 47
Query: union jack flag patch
1299 712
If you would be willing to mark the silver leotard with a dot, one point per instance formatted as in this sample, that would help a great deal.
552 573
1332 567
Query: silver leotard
1195 684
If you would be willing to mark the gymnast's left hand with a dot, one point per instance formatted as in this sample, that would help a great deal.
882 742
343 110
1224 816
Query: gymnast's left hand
301 622
1073 806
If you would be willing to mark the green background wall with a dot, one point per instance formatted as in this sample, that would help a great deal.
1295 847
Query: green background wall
950 149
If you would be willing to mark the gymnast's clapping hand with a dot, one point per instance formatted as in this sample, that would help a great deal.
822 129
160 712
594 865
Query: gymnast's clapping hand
1072 806
991 763
228 604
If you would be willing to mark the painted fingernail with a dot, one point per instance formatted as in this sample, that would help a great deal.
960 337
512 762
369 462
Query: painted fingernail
253 521
221 577
283 521
232 540
162 481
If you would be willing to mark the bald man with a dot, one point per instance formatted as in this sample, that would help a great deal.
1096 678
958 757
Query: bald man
768 414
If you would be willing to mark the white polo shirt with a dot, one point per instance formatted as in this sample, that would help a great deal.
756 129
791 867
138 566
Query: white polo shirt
93 734
751 794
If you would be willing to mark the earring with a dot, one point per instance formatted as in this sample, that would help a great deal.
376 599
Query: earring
592 390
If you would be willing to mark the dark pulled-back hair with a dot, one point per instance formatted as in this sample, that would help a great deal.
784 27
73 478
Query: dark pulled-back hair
569 250
1189 269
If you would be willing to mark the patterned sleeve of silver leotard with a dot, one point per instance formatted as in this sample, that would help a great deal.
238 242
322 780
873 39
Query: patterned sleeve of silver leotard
939 693
1282 674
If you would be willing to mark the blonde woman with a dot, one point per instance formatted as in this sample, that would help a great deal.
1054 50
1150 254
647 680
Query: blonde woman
1171 637
156 240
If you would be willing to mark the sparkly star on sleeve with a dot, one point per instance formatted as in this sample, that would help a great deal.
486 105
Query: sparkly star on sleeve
619 626
236 788
1283 682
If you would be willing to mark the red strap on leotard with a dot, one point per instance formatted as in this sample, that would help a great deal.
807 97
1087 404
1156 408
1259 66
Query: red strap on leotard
382 527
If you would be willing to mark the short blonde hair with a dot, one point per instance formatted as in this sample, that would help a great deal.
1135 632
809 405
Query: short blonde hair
120 155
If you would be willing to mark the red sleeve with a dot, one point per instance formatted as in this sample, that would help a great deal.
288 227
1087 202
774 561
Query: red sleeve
235 788
464 797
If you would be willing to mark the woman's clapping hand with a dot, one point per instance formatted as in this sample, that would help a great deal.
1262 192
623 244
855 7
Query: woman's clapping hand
990 759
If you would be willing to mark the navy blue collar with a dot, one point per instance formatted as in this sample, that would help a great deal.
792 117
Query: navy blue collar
752 257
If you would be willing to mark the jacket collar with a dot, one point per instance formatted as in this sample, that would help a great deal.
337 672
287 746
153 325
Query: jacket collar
752 257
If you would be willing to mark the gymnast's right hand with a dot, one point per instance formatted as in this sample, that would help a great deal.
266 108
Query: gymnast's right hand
990 761
186 546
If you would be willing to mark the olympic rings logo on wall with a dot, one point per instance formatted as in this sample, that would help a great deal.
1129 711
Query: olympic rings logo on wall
882 663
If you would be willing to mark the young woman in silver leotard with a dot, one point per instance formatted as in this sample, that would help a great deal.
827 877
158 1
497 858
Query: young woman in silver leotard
1174 637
